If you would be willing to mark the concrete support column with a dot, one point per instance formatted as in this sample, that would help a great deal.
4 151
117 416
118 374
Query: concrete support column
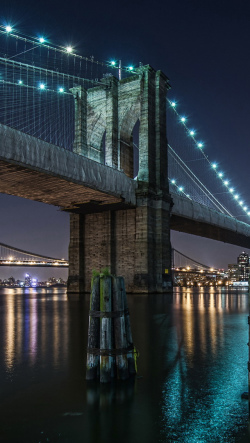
143 252
153 138
147 128
162 246
77 253
111 106
80 142
161 158
153 250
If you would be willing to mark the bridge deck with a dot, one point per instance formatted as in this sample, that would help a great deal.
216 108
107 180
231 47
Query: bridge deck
34 169
194 218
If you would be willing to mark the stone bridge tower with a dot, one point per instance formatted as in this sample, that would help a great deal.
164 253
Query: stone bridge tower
131 241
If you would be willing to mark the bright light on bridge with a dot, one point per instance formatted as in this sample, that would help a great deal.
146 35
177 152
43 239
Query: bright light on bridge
69 49
8 28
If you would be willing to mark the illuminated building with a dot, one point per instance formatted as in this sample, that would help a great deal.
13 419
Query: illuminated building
27 281
233 272
243 266
241 270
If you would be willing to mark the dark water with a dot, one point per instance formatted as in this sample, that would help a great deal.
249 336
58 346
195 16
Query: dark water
192 368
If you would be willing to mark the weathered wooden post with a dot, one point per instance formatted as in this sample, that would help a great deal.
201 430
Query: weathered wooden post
110 350
93 357
106 339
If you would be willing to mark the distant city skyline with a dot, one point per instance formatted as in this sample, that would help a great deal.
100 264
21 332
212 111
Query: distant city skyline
19 274
29 281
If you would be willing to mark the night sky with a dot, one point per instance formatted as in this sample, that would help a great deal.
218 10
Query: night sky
202 46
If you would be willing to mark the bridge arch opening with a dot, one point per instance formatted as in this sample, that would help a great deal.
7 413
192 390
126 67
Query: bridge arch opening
130 141
130 151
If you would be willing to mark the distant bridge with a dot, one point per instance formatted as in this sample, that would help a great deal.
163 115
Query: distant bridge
188 272
12 256
181 263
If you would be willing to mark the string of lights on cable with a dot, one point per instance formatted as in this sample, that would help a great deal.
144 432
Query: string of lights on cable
198 144
68 49
36 83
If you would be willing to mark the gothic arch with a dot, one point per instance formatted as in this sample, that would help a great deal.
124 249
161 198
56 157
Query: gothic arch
127 125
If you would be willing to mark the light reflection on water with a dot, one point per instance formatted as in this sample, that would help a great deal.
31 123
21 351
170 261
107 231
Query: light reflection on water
28 332
192 368
202 392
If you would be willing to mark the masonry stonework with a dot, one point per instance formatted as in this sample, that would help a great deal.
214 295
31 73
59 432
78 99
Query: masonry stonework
133 242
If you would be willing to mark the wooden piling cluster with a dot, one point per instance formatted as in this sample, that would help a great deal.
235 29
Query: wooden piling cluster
111 353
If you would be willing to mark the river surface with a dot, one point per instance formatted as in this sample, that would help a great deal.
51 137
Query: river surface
192 370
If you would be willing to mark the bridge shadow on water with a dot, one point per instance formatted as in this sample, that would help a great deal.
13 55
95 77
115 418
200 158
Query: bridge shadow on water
192 370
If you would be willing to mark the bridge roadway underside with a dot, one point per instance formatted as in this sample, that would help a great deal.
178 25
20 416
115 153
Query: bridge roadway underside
193 218
34 169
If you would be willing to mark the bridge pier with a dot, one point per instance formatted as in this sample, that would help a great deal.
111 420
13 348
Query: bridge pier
133 242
